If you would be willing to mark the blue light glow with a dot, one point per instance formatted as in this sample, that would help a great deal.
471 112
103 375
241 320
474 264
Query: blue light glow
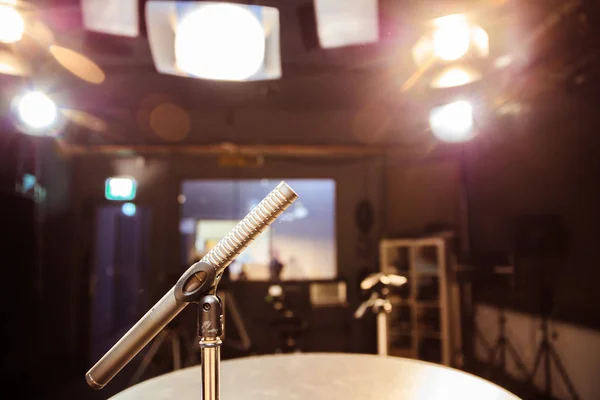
128 209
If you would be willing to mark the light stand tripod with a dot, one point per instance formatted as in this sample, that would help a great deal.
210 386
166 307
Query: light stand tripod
380 304
503 347
548 354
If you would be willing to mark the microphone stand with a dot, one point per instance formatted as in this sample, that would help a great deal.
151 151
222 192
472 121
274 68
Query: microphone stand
380 284
210 330
199 285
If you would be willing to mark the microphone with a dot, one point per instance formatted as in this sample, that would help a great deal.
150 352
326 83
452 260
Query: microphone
208 270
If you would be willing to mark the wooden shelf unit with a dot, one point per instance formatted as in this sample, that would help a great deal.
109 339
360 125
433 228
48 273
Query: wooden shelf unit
420 309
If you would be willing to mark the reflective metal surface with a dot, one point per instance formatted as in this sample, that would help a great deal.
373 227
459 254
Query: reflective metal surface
210 357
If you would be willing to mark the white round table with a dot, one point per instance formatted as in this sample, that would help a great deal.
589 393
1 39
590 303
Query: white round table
326 376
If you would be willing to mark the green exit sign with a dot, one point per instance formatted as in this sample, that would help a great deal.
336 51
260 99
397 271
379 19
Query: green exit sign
120 189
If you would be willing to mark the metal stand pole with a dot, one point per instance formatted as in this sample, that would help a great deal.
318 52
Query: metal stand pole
382 339
210 330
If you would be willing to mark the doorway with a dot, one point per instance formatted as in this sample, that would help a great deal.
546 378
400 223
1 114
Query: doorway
122 245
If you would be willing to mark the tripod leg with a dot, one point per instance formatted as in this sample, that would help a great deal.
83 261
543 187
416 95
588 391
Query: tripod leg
148 357
190 348
492 357
176 349
238 321
536 365
563 373
486 345
517 359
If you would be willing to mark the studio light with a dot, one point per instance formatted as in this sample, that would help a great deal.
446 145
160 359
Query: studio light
220 41
452 122
36 110
12 25
113 17
346 23
211 40
455 76
451 37
452 49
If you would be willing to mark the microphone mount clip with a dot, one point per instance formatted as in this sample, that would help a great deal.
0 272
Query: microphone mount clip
199 285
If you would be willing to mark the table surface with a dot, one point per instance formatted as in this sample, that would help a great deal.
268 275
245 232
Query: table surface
324 376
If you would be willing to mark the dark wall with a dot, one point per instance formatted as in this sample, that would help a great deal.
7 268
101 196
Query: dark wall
546 168
35 246
159 187
416 193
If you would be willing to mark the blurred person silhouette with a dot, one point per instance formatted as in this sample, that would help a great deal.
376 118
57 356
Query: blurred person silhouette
275 266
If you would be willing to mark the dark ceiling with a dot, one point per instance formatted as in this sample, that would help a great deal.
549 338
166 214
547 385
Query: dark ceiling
325 96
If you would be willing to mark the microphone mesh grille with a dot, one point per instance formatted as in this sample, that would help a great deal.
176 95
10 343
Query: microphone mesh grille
250 227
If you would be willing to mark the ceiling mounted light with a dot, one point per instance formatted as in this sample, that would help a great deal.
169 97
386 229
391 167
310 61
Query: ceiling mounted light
12 26
346 23
451 38
218 41
113 17
37 111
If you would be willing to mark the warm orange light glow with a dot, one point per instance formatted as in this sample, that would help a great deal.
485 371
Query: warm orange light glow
11 64
78 64
170 122
455 76
85 119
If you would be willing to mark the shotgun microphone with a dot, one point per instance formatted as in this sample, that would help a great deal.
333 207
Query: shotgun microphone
200 276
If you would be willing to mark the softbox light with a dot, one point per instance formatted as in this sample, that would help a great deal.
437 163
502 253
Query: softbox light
346 23
114 17
211 40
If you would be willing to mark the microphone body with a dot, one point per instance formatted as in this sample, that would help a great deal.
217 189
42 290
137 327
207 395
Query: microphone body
171 304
